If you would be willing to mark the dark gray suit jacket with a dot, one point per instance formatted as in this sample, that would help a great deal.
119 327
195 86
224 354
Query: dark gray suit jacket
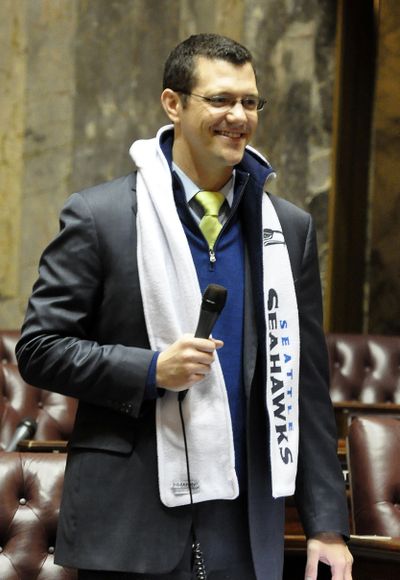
84 336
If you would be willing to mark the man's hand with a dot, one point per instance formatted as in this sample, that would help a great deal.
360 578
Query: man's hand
186 362
330 549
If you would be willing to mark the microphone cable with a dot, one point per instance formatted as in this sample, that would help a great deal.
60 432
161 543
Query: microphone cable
212 304
198 563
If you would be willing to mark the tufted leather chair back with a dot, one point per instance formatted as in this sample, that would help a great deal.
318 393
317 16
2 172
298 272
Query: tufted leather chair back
364 368
374 463
31 485
53 412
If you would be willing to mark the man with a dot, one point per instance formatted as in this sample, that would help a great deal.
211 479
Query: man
111 322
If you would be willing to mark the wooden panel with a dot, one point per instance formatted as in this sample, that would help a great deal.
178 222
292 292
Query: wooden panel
348 200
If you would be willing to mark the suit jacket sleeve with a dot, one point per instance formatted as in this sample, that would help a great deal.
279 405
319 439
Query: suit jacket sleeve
63 345
320 490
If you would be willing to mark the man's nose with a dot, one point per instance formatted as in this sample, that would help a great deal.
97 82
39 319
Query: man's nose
238 111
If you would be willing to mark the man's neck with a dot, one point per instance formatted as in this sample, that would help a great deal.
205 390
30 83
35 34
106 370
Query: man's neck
207 178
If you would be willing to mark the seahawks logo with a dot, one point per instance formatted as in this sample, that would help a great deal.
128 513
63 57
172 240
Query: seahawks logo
272 237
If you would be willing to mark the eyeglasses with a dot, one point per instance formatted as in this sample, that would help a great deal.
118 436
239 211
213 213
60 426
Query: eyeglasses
227 102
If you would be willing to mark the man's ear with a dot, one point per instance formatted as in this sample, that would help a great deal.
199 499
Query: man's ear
172 104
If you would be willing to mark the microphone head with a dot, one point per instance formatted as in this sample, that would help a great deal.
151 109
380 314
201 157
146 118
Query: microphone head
30 424
214 298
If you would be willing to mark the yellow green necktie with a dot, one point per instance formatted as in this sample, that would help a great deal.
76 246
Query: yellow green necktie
210 225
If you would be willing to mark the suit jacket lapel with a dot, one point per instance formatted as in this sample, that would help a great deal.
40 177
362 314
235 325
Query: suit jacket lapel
250 333
254 328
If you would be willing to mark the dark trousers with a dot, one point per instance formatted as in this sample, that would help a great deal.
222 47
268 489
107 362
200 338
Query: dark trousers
222 530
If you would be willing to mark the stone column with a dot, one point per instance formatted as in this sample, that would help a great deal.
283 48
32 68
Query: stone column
384 275
37 110
12 119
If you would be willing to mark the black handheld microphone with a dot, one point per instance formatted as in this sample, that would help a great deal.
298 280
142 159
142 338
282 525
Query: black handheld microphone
25 430
213 302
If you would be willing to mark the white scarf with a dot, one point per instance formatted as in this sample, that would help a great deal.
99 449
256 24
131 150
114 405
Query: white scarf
171 300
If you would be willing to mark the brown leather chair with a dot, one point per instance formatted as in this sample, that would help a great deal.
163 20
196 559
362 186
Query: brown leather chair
53 413
374 463
364 379
30 493
365 375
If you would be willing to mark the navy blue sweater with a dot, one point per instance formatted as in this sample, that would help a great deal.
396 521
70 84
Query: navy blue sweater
228 271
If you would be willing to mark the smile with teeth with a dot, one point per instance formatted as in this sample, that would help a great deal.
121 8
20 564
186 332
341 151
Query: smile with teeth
231 134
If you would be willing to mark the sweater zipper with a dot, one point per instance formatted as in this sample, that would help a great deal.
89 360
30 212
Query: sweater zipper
211 251
212 256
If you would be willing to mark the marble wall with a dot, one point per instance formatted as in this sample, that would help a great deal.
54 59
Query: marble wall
294 42
80 80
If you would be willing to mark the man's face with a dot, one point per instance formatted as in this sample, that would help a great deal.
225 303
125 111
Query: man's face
210 140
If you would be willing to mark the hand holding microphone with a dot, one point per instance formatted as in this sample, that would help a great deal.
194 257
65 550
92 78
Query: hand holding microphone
187 361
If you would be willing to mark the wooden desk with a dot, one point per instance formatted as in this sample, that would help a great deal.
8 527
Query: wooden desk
374 558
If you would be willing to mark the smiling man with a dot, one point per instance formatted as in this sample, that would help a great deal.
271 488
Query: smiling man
185 448
211 129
